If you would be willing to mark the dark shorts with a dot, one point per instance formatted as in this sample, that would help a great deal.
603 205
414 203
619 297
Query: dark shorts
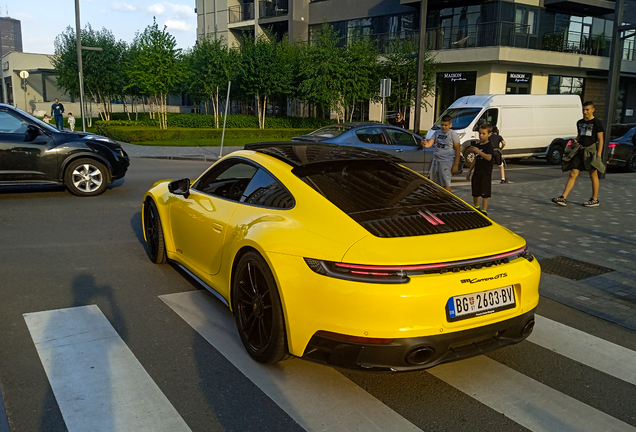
481 184
497 157
577 162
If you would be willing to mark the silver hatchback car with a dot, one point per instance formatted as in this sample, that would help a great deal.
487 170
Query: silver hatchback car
389 139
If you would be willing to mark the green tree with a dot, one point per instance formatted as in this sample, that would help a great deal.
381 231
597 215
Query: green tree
360 73
103 74
156 68
400 65
263 71
321 69
210 65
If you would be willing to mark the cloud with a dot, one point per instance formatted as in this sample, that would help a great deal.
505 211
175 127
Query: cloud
177 10
178 25
123 7
156 9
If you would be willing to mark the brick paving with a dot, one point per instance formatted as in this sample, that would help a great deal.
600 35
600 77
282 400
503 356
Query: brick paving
604 235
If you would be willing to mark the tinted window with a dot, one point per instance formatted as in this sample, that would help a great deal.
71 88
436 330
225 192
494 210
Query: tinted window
330 131
11 124
361 187
401 138
227 179
264 190
371 135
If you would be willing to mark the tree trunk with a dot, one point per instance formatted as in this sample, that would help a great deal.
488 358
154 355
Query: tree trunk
216 109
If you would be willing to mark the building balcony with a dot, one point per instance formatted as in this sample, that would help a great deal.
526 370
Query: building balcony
273 8
239 13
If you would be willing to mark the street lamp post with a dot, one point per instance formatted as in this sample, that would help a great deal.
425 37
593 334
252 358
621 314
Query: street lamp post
79 63
420 67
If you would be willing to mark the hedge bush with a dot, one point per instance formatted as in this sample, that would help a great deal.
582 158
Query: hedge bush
234 121
132 134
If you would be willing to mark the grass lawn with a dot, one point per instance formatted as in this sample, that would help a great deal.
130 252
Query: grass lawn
227 142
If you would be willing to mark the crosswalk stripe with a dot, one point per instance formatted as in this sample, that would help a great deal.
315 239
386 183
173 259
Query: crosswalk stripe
584 348
318 398
97 381
524 400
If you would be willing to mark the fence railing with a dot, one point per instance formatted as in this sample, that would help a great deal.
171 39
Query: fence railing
273 8
240 13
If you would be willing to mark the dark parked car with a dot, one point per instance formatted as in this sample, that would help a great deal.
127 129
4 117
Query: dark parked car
389 139
622 152
33 152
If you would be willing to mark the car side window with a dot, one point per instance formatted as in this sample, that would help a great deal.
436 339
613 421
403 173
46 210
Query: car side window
227 179
371 135
12 124
264 190
401 138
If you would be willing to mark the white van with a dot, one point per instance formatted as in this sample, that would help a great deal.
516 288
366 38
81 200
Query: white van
531 125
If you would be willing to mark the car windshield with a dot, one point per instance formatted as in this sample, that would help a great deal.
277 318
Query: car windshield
462 117
37 121
330 131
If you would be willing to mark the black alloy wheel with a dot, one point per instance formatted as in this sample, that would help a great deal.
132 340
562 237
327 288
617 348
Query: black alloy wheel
257 310
154 233
86 177
630 164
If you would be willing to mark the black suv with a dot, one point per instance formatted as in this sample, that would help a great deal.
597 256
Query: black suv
33 152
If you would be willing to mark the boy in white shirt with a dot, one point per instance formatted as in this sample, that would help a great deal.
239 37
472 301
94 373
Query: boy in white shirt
71 122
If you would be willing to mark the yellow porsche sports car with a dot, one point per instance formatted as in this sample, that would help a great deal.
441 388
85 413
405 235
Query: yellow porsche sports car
343 256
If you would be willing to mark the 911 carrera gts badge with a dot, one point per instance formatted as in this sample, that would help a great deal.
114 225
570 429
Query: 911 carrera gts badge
472 281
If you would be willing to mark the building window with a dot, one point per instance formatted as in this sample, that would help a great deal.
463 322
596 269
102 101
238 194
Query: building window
526 20
558 84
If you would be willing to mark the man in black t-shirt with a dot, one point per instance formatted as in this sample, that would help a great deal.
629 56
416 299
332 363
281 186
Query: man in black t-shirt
590 132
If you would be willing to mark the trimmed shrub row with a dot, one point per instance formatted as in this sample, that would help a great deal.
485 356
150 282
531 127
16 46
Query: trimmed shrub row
132 134
234 121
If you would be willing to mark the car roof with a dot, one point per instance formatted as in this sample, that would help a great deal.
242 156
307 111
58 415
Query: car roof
298 154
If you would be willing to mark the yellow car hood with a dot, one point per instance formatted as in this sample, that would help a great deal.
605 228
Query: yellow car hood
433 248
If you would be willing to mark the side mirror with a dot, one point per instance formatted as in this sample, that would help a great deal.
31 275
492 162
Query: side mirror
33 130
180 187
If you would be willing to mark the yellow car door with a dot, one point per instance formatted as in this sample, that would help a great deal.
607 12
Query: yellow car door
199 227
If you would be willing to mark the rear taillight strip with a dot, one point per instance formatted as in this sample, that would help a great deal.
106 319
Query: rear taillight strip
373 268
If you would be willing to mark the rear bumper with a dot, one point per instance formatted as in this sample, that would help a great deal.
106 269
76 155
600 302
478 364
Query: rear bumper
420 352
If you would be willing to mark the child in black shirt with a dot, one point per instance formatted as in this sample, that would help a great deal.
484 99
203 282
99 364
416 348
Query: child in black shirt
482 165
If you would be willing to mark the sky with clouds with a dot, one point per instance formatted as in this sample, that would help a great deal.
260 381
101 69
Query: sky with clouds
43 21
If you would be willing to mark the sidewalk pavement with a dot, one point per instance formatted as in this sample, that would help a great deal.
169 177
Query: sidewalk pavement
603 236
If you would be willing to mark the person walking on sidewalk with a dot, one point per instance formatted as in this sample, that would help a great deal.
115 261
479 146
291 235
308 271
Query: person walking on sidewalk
584 155
446 154
482 178
57 111
498 143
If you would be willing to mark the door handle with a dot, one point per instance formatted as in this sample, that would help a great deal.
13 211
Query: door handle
399 151
217 226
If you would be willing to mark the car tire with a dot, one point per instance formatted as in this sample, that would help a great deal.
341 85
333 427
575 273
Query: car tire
257 310
468 158
630 163
154 233
86 177
555 154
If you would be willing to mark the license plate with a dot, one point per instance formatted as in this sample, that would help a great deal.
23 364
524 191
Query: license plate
480 303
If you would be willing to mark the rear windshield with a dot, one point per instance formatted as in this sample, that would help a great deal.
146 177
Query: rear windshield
358 187
330 131
462 117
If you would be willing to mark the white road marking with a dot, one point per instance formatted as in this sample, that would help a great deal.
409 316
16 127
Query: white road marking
98 382
318 398
589 350
528 402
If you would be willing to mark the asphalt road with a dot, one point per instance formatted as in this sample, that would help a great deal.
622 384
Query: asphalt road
58 251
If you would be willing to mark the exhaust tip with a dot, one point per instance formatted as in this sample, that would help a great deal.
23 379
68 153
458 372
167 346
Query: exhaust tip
420 355
527 329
